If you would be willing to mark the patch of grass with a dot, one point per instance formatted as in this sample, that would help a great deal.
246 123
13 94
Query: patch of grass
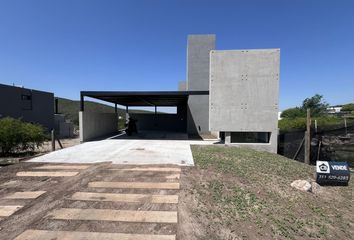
246 162
242 188
233 203
323 123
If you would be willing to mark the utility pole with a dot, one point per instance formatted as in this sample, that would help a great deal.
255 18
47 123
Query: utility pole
308 137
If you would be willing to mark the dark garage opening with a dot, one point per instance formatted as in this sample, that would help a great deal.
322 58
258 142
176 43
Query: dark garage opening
150 121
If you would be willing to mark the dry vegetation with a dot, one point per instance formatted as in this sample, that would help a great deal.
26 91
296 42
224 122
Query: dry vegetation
238 193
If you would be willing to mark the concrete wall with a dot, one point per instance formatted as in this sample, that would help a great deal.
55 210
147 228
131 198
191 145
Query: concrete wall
159 122
198 65
244 86
29 105
94 125
163 122
63 128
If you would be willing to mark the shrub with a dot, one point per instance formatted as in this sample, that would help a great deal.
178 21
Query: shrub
288 124
348 107
323 123
293 113
17 136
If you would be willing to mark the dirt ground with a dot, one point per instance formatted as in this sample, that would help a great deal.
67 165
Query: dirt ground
34 213
231 193
45 148
66 142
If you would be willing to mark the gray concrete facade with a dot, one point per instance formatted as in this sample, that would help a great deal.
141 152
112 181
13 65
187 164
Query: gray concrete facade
237 99
163 121
159 122
29 105
198 64
95 125
244 86
63 128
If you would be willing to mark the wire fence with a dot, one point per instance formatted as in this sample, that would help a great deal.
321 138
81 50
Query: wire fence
326 144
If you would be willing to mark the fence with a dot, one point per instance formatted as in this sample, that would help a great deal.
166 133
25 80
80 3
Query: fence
333 144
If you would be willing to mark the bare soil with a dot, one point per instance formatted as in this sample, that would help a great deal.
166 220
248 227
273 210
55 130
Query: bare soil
66 142
45 148
59 190
231 193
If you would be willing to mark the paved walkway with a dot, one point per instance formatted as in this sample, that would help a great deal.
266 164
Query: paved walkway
148 147
124 151
103 202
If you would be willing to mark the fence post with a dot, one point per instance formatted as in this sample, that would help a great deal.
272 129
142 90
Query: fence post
53 140
345 126
308 137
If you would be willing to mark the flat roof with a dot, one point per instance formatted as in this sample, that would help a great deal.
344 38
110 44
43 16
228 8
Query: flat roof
22 88
143 98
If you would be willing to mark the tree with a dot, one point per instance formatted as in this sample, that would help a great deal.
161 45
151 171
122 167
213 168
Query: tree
317 105
348 107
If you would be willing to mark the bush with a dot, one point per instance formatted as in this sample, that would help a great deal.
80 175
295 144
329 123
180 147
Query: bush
348 107
288 124
323 123
295 112
17 136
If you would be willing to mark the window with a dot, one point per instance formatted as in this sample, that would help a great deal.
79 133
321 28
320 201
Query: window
26 97
250 137
26 102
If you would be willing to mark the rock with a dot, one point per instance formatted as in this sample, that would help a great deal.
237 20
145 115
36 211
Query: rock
315 187
302 185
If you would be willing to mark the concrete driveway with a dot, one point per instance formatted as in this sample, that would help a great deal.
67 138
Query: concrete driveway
141 149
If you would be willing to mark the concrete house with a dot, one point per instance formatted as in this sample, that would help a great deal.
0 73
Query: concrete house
27 104
232 94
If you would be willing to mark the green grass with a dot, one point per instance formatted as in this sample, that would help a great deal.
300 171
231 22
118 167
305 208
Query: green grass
323 123
246 187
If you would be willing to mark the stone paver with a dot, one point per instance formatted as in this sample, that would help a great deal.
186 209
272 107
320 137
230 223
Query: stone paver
114 215
134 185
70 235
63 167
148 169
95 202
116 197
46 174
25 195
6 211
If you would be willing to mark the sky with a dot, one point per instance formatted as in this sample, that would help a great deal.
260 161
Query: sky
69 46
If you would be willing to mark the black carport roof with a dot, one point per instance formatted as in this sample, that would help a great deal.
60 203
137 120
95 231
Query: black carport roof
139 98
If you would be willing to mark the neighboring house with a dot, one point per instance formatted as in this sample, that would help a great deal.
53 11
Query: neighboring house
27 104
279 116
334 109
64 128
230 93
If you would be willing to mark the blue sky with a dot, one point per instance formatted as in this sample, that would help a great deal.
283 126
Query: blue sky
68 46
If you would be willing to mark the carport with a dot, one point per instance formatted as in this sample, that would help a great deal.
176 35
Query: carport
95 125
